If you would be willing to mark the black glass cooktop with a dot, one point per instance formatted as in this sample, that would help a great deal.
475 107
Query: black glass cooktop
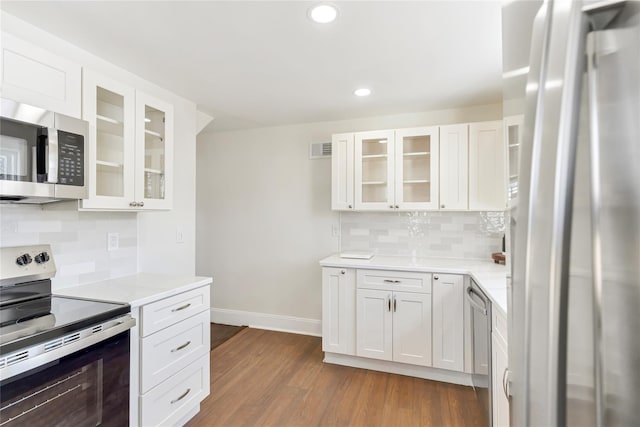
39 320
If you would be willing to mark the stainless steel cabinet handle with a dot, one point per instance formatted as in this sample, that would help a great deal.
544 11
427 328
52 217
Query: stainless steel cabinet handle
133 204
397 207
181 397
390 206
389 302
442 206
141 204
395 304
181 347
391 281
435 277
181 307
350 207
342 272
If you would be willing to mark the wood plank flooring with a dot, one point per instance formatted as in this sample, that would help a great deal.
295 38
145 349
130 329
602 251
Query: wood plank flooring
266 378
221 333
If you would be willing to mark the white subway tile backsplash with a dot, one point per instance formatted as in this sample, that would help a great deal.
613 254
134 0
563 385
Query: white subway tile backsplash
77 239
424 234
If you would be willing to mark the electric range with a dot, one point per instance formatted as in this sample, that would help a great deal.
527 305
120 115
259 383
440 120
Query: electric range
58 355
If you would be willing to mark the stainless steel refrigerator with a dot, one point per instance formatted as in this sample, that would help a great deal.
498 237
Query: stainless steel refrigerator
574 333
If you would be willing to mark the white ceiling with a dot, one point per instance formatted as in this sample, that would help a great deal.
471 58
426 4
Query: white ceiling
252 64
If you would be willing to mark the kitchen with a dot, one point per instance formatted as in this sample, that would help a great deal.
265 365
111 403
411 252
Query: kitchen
249 207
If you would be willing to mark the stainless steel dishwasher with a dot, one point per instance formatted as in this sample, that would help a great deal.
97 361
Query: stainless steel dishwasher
481 330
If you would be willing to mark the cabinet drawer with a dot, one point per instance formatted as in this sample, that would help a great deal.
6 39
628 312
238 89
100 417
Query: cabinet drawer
168 351
499 325
161 314
394 280
174 398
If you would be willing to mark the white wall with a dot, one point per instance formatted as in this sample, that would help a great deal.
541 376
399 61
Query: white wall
155 232
264 216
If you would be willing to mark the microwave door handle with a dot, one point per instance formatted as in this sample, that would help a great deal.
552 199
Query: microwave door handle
52 156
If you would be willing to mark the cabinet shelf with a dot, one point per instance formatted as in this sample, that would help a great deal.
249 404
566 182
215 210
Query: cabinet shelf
108 164
374 182
516 145
155 171
417 153
416 181
374 156
108 120
153 133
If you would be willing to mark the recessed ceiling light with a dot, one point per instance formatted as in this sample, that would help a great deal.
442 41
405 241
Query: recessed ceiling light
363 91
323 13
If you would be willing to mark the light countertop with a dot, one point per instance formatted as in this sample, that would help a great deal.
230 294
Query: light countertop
137 289
490 276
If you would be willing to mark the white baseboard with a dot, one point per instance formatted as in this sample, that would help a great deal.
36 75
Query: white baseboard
272 322
424 372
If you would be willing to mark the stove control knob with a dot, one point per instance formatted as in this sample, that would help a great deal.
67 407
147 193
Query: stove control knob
24 259
42 257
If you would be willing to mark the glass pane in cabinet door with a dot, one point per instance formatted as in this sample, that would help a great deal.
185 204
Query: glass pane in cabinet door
513 139
374 170
416 169
109 143
154 153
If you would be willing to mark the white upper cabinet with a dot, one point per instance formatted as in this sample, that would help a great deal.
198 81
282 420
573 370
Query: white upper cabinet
374 170
513 135
154 152
342 171
131 146
456 167
416 168
454 157
35 76
108 106
487 172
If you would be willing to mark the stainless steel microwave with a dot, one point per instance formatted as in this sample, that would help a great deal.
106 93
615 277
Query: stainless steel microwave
43 155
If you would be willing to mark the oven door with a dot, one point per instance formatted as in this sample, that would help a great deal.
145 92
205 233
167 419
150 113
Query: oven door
87 388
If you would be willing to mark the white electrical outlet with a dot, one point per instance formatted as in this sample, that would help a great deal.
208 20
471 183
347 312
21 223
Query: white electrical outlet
335 230
113 241
179 235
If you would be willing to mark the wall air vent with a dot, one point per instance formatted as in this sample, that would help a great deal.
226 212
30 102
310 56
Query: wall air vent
320 150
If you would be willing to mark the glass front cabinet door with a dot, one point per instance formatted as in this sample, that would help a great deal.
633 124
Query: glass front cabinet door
374 170
154 152
513 134
108 106
416 168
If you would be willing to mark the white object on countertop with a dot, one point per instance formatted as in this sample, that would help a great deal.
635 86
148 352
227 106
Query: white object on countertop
356 255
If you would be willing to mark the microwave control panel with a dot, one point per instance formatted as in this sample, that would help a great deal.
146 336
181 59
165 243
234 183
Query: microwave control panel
70 159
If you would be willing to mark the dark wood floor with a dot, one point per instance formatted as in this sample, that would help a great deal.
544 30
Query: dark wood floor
221 333
272 378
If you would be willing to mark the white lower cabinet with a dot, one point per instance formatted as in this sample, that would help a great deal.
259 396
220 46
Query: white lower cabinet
172 358
499 364
393 325
171 401
448 321
338 314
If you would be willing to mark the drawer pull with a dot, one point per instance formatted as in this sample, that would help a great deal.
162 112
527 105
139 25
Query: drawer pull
181 307
391 281
181 397
181 347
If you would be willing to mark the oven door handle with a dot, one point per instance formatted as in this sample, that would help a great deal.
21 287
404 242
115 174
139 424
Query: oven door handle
481 308
36 358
